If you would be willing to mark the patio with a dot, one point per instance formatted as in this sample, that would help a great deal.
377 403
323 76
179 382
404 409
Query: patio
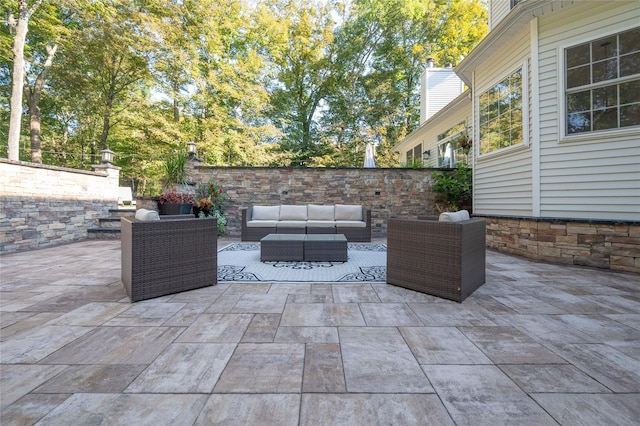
537 344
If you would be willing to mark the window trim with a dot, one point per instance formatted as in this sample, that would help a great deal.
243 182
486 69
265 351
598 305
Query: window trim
526 137
563 137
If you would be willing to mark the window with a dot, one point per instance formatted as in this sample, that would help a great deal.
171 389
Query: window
414 156
514 3
603 83
500 111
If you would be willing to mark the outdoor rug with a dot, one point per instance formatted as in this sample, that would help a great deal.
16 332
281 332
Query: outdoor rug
241 262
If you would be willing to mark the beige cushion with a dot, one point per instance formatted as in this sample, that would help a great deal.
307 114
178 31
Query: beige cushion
319 212
288 212
321 223
262 224
291 224
350 224
348 212
454 216
265 213
144 214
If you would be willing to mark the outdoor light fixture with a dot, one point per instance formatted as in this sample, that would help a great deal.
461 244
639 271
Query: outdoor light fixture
107 156
426 154
191 148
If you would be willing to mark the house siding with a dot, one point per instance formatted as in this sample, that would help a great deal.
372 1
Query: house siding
593 176
503 180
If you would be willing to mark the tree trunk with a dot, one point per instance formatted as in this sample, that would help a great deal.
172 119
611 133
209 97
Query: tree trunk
33 101
176 105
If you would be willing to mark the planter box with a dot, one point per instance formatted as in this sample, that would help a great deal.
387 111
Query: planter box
173 209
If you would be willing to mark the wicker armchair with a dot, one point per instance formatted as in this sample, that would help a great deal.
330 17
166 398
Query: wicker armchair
168 256
444 259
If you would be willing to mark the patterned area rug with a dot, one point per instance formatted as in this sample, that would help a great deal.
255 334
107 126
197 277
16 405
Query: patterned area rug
241 262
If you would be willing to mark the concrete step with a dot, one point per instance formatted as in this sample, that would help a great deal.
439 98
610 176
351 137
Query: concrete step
109 222
118 213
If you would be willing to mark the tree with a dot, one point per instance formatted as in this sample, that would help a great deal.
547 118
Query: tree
19 27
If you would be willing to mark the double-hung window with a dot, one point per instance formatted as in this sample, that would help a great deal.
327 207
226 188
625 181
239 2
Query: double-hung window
500 114
603 84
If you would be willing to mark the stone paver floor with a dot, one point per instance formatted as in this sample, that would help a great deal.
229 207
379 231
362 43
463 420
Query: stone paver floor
538 344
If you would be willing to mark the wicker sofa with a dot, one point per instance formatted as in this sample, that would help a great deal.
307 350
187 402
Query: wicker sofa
444 259
167 256
354 221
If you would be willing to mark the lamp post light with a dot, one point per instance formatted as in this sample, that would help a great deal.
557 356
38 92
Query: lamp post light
191 149
107 156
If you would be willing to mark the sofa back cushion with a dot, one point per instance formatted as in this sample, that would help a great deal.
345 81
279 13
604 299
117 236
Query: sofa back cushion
348 212
144 214
265 213
454 216
288 212
319 212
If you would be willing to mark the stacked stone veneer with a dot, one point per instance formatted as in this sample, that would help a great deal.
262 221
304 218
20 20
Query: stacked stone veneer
386 192
42 205
601 244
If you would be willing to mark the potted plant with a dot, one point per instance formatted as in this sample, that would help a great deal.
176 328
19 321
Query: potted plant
175 172
210 199
175 203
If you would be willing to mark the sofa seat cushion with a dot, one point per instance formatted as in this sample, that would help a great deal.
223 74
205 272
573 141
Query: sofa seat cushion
291 224
321 223
320 212
265 213
348 212
289 212
262 224
351 224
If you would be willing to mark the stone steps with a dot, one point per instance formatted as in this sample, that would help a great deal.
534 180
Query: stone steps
109 227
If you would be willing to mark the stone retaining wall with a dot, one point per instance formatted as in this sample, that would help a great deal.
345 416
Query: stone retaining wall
387 192
42 205
601 244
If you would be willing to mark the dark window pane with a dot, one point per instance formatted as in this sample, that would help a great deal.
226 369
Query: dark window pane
605 119
630 64
630 41
580 101
578 76
605 97
578 55
579 122
604 48
605 70
630 115
630 92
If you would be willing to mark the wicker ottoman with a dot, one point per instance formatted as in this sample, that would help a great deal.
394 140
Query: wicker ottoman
325 248
282 247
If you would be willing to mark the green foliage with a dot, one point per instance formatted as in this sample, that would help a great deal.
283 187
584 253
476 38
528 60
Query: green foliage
452 188
175 172
210 200
265 83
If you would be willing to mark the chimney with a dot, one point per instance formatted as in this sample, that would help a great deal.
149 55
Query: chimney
430 62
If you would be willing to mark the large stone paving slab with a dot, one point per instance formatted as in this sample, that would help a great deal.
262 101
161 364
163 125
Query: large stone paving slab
34 345
92 379
126 409
217 328
184 368
263 409
373 409
116 345
377 360
323 368
18 380
592 409
442 345
263 368
484 395
322 315
508 345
